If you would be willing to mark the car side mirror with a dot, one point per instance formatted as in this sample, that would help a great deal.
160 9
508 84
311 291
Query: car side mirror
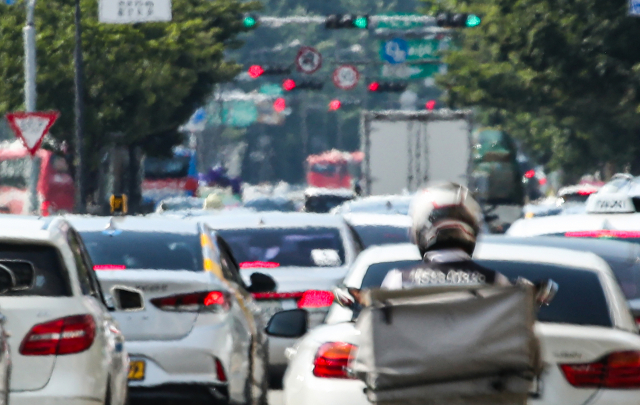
261 283
7 279
288 324
23 272
546 292
343 297
127 299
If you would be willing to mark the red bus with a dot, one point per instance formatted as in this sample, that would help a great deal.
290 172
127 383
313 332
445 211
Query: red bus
55 187
333 169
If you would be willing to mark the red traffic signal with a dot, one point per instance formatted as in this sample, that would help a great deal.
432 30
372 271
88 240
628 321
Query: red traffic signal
374 86
280 104
288 84
255 71
335 105
395 87
431 105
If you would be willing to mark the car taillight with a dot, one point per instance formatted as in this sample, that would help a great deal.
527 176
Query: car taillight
109 267
616 370
316 299
193 302
332 360
222 376
73 334
44 208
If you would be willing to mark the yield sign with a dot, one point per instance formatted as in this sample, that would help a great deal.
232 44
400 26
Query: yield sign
31 128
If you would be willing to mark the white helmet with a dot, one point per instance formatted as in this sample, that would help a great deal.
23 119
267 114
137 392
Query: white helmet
445 216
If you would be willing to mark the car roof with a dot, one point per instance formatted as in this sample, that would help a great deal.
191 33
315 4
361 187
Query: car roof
364 219
271 219
338 192
602 247
574 223
86 223
25 227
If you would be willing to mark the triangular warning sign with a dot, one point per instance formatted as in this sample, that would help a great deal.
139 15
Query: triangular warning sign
31 128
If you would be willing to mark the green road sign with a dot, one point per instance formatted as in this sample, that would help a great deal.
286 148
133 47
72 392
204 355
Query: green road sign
239 113
419 49
408 72
400 25
271 89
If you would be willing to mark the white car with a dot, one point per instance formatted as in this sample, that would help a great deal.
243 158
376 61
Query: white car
66 347
379 229
591 346
306 254
200 336
379 204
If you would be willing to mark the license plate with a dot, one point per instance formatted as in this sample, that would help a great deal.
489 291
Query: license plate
136 370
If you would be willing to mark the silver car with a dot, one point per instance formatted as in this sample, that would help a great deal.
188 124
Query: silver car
306 254
200 337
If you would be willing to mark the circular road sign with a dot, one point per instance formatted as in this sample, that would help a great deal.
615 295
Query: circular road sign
308 60
346 77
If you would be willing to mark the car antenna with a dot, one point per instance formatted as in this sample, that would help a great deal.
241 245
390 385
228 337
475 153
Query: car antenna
261 222
111 229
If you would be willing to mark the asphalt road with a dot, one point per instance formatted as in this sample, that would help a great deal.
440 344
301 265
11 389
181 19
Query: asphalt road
275 397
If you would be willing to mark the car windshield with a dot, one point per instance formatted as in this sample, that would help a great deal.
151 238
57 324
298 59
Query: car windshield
51 277
281 247
116 250
371 235
580 299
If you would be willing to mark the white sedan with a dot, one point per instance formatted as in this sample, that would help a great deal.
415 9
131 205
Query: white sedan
591 347
66 347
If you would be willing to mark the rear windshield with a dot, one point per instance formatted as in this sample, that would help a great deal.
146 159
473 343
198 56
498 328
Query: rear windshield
382 235
51 277
300 247
580 299
144 250
14 173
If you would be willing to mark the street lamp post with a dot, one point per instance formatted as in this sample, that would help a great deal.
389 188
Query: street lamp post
79 113
29 35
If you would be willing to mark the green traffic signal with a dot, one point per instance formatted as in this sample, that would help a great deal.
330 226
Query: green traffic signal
473 21
249 21
361 22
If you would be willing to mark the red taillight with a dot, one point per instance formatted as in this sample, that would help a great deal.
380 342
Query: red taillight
109 267
332 360
193 302
73 334
259 265
278 296
604 233
617 370
44 208
638 320
316 299
222 376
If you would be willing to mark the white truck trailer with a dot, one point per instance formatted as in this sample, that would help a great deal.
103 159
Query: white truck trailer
403 150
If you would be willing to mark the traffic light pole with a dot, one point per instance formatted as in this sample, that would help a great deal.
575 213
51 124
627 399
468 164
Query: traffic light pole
79 113
30 93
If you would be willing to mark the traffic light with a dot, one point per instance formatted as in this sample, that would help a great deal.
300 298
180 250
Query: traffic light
458 20
388 87
334 105
338 21
430 105
256 71
280 105
250 21
290 85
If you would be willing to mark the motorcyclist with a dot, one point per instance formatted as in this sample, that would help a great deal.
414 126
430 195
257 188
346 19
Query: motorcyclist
446 223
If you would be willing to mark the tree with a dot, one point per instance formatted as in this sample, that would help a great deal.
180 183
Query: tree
564 74
142 81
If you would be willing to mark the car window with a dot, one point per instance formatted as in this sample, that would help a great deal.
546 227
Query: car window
280 247
83 269
51 277
580 299
382 235
127 250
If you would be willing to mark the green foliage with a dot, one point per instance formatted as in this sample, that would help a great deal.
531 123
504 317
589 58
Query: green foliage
562 75
142 81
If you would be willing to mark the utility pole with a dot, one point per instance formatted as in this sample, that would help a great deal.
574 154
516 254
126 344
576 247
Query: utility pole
79 113
29 35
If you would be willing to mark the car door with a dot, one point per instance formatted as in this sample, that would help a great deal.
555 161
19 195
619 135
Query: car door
249 340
